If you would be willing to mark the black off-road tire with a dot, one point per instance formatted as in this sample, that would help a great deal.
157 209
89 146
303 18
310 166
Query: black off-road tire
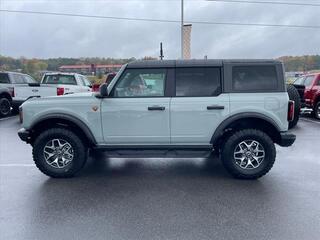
294 96
5 107
80 152
316 111
229 146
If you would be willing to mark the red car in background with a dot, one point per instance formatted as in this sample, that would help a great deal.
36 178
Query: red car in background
312 92
110 76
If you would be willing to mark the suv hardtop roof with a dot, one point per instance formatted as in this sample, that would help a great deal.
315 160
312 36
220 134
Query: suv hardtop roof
195 62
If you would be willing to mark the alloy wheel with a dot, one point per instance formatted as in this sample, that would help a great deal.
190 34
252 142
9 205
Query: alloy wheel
58 153
249 154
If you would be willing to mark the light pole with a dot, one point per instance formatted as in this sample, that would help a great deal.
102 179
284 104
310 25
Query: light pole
182 29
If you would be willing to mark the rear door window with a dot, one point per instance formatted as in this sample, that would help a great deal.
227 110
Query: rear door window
198 82
254 78
60 79
4 78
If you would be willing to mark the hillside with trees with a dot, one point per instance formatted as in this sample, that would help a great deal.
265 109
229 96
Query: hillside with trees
35 67
301 63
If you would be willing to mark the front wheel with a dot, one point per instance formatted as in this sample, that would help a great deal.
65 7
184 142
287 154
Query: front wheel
59 153
248 154
316 110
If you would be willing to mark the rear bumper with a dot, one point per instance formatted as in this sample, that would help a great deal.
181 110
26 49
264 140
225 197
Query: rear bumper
286 139
24 135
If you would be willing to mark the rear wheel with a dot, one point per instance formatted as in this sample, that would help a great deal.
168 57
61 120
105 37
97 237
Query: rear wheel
248 154
5 107
316 110
59 153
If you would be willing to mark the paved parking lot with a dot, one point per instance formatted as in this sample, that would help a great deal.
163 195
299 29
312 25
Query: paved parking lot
161 198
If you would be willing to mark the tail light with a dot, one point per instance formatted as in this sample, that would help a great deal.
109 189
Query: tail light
11 91
60 91
290 111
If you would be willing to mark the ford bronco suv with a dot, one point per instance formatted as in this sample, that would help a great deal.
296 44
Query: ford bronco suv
238 108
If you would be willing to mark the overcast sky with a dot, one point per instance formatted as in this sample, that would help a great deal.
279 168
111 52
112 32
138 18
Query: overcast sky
59 36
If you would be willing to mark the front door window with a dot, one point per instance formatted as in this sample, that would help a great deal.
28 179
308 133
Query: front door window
141 83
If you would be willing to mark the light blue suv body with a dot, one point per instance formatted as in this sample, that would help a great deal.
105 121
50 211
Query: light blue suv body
168 105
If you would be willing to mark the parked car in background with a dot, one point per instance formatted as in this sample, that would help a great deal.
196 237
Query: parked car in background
109 77
312 92
12 81
5 102
238 108
55 84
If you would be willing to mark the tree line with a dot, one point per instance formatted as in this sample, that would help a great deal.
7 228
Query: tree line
35 67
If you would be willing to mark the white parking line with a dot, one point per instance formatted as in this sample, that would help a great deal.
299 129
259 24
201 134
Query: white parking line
1 119
310 120
17 165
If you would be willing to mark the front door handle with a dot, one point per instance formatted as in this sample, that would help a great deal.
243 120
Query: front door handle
215 107
156 108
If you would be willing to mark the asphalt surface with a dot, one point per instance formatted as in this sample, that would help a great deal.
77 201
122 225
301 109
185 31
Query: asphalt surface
161 198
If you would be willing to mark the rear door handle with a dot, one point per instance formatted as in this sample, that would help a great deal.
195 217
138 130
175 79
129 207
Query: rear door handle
156 108
215 107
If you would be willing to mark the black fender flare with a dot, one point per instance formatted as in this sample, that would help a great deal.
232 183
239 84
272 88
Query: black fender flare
79 123
220 129
5 93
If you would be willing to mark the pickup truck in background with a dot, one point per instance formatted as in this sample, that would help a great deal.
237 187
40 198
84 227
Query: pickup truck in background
54 84
312 92
12 81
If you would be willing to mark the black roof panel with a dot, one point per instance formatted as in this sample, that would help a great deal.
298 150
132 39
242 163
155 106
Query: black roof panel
193 62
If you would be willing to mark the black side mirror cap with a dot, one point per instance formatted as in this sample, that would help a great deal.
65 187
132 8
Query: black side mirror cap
104 90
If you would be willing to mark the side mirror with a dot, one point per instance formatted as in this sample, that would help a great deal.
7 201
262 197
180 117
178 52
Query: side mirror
104 90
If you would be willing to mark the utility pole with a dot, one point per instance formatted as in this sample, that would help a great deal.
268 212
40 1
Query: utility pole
182 29
161 52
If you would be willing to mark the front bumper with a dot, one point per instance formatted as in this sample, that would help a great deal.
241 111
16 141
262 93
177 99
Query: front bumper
286 139
24 135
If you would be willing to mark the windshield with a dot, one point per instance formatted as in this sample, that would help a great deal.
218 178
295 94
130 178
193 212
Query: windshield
308 81
60 79
299 80
305 81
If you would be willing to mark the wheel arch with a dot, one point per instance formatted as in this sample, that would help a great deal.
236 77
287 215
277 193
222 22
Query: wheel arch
64 121
317 99
246 120
6 95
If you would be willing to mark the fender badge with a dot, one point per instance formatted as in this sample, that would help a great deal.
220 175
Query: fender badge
95 108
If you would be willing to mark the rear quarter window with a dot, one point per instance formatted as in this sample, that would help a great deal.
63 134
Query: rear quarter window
254 78
60 79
